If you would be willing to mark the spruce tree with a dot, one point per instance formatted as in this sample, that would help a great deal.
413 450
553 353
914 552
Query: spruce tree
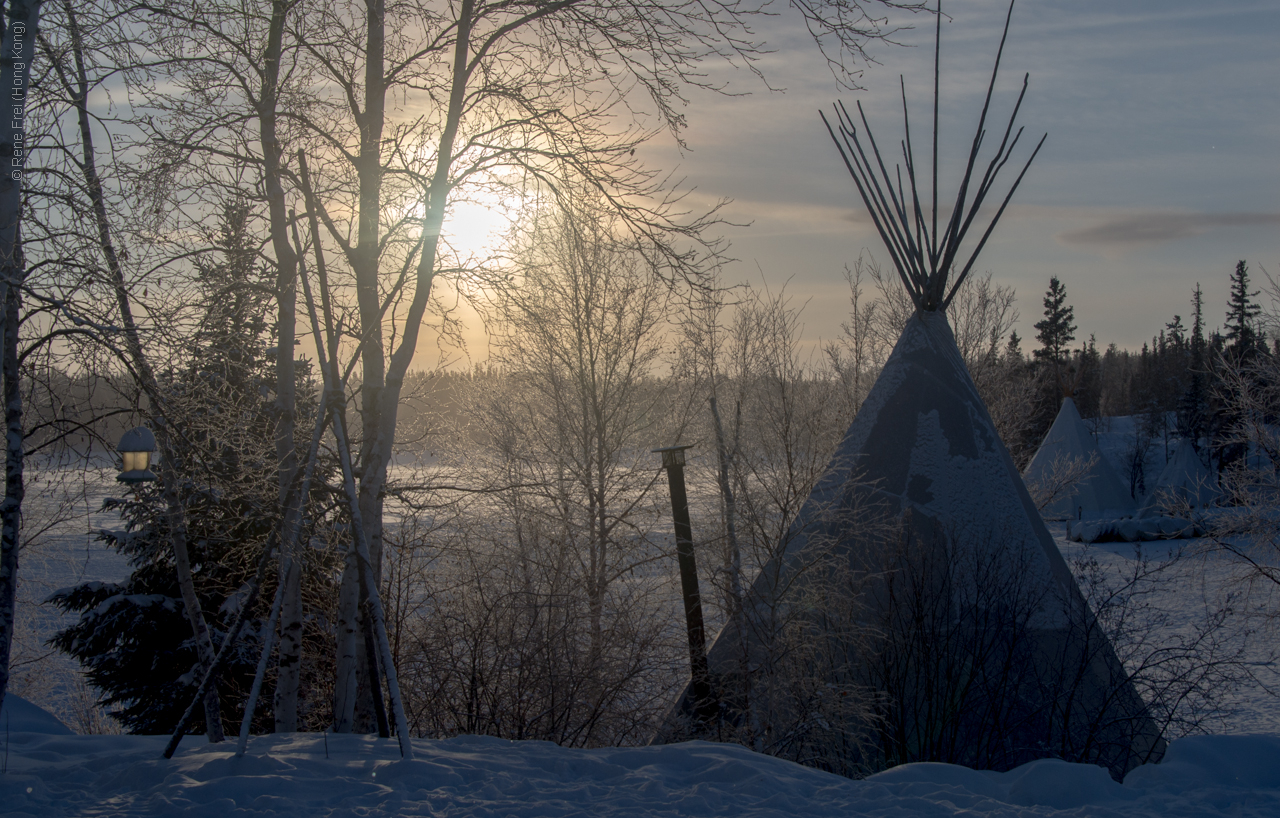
1242 314
1177 336
1055 332
1088 379
131 637
1192 404
1013 349
1197 342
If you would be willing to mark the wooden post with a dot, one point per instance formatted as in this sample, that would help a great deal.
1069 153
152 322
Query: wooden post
704 697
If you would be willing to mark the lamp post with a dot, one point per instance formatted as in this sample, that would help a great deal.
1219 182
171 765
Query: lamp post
135 450
704 699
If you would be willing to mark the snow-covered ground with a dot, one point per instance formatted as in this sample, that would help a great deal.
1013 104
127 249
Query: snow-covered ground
51 775
1195 587
48 771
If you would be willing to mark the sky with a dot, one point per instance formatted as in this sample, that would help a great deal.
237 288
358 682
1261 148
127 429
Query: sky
1160 169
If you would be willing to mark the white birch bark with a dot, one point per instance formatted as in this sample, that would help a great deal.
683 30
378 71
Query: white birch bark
383 380
290 657
359 546
370 587
11 507
348 626
16 49
365 263
169 466
348 646
260 672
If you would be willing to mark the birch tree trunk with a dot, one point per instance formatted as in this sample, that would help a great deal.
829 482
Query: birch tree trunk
352 687
169 466
359 547
290 576
11 509
345 688
733 554
16 49
383 381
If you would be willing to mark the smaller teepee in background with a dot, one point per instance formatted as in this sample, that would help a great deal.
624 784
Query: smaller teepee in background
1070 467
1185 482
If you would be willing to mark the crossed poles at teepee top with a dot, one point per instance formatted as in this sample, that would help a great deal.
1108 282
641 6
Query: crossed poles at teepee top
923 258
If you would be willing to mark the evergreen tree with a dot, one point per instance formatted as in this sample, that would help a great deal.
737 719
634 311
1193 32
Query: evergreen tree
1088 379
1013 349
1193 402
1242 314
1056 332
1177 336
1197 343
132 637
1241 343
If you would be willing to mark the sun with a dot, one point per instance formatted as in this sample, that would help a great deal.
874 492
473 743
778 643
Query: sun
478 224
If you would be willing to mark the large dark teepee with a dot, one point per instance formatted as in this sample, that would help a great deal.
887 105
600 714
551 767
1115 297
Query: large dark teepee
919 609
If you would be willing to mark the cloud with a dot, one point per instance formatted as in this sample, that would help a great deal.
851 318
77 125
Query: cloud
1136 229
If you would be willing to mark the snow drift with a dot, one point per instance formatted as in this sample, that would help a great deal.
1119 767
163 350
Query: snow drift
52 776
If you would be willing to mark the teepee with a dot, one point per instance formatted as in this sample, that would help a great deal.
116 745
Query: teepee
918 580
1070 467
1185 482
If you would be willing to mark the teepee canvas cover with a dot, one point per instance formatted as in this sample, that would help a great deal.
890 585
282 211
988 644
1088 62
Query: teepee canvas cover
969 639
1185 481
1099 492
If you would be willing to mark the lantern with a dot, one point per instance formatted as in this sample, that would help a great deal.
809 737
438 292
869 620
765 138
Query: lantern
135 450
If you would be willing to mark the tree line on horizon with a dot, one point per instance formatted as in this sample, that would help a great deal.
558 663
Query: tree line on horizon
1184 383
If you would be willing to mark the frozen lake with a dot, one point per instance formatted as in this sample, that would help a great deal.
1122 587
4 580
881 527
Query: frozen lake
1196 585
62 512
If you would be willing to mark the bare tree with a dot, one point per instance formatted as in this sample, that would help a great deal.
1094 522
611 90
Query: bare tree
542 617
17 48
1059 480
788 413
580 329
502 643
1249 393
857 355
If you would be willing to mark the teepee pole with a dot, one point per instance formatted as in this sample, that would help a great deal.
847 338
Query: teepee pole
924 259
260 673
850 160
937 60
953 231
899 224
214 670
924 237
995 219
877 203
1003 152
955 234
